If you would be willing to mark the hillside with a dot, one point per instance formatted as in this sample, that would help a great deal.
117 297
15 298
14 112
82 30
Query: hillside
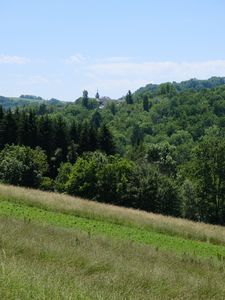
192 84
27 101
55 246
162 153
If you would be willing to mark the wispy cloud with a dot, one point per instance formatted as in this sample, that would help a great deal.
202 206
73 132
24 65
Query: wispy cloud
18 60
76 59
119 76
115 59
158 71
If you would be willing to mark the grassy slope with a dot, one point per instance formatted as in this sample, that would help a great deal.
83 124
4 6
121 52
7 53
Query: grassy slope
78 259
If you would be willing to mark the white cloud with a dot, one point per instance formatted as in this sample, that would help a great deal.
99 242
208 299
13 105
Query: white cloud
158 71
115 59
117 76
76 59
18 60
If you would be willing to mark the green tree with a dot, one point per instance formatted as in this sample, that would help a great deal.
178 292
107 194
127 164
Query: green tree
137 136
106 142
163 157
83 177
8 129
145 103
190 204
1 113
85 99
208 171
96 119
20 165
61 136
129 98
62 178
45 135
113 178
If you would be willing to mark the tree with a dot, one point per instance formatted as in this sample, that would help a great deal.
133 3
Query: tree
1 113
162 156
96 119
129 98
145 103
190 203
112 107
85 99
8 129
137 136
106 142
84 145
72 152
74 132
112 180
208 173
82 180
168 200
63 177
27 129
61 136
45 135
20 165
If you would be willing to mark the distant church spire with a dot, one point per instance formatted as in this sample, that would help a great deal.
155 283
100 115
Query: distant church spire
97 95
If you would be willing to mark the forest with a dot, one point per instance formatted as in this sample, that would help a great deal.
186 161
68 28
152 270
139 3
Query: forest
160 149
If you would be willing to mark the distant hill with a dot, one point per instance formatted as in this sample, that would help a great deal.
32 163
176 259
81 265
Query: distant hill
12 102
192 84
27 100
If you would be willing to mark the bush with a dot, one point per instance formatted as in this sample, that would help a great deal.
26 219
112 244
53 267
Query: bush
20 165
47 184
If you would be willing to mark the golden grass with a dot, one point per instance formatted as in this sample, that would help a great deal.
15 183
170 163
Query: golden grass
91 209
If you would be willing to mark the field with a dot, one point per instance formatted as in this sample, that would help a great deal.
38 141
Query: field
54 246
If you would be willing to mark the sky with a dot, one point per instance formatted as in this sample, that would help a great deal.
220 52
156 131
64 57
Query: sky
58 48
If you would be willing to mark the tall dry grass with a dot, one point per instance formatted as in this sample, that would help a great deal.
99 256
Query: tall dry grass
45 262
131 217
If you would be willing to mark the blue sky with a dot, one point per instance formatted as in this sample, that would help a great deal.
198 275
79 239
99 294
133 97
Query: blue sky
58 48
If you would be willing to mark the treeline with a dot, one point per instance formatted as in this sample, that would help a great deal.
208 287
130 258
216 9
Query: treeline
155 183
61 141
166 154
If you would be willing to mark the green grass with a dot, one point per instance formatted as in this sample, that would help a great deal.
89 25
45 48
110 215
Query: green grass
57 247
118 215
48 262
92 226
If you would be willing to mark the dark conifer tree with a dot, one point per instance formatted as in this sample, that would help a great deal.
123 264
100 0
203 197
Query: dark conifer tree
129 98
8 129
72 153
93 138
45 135
85 99
1 113
96 119
74 132
84 138
106 142
136 136
32 129
145 103
1 128
22 132
61 136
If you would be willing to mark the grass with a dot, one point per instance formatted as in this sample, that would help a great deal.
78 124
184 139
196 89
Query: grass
119 215
77 249
123 232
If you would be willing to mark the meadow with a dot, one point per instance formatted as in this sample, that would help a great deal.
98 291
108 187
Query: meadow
54 246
